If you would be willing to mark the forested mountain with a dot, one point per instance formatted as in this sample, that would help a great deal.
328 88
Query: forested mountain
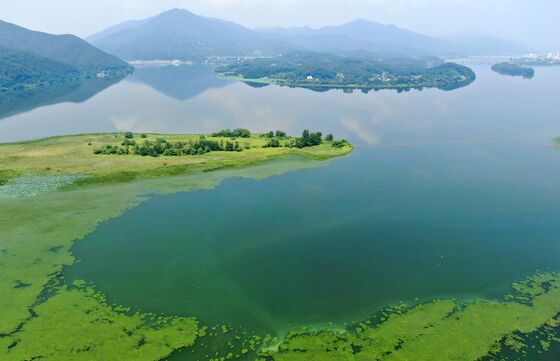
31 60
20 70
180 34
65 49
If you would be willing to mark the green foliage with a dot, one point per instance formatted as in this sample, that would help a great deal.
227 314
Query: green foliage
340 143
20 71
65 49
309 139
329 138
128 135
162 147
236 133
316 70
280 134
273 143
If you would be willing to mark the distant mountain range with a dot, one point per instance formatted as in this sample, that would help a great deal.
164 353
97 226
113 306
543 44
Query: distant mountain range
180 34
32 59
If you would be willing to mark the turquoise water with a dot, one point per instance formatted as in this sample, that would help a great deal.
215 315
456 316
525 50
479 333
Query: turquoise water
447 194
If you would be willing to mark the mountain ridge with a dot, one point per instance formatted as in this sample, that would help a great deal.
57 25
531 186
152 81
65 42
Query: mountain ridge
66 49
181 34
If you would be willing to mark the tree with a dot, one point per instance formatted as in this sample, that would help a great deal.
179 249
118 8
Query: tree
128 135
329 138
273 143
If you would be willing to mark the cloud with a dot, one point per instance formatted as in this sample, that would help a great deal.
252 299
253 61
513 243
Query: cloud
367 135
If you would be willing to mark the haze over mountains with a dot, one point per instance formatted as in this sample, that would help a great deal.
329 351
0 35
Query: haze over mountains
180 34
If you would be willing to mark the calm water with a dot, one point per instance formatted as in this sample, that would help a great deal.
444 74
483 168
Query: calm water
447 194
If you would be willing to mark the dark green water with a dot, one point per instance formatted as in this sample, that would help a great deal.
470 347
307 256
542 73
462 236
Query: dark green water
463 215
335 243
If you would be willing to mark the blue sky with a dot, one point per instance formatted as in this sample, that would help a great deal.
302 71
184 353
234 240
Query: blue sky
535 22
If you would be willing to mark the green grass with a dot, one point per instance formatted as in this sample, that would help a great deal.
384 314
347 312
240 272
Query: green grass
74 155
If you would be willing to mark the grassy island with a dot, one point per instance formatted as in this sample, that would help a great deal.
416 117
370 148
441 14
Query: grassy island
117 157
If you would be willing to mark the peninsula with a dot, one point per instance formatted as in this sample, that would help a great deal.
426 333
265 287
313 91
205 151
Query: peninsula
120 157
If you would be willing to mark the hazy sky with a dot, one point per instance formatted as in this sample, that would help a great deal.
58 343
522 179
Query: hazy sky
534 22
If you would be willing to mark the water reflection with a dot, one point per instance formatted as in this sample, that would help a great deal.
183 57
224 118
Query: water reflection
179 82
72 92
192 100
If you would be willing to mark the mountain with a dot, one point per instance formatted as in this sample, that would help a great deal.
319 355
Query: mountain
481 44
180 34
65 49
363 35
20 69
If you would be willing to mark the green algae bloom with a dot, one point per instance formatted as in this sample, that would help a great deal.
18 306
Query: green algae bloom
440 330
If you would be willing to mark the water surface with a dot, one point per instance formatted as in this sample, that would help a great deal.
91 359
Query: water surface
447 194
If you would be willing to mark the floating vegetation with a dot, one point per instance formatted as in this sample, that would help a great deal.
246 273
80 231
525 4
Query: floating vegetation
42 320
440 330
33 185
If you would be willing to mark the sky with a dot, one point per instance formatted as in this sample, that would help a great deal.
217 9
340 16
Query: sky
535 23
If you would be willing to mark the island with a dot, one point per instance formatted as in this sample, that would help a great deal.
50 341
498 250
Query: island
120 157
320 71
513 69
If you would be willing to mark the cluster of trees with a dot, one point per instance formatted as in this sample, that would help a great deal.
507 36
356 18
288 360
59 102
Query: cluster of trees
275 134
236 133
307 139
162 147
312 69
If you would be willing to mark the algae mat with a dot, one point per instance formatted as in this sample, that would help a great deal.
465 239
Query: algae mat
41 316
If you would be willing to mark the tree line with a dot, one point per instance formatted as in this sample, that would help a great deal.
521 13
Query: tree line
162 147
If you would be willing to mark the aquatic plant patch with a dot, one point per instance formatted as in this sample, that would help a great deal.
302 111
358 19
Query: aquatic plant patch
33 185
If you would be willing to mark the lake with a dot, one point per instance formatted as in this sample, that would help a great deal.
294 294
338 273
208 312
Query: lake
447 194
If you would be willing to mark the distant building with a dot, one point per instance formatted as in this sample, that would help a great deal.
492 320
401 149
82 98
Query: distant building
309 77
